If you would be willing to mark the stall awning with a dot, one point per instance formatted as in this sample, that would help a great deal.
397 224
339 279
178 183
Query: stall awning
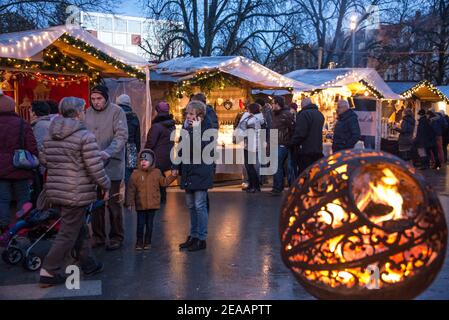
331 78
426 91
240 67
72 41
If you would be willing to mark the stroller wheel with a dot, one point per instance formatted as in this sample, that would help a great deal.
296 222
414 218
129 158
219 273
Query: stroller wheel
12 255
32 262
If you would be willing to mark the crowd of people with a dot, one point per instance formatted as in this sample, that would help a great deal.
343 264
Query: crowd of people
92 154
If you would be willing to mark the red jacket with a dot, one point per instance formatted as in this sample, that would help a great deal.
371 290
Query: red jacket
10 141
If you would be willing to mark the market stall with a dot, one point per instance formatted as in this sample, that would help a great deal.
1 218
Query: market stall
61 61
417 95
227 82
365 90
422 94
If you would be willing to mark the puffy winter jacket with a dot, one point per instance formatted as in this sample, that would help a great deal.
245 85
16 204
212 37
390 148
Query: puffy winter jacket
144 187
10 141
158 140
346 132
251 121
74 164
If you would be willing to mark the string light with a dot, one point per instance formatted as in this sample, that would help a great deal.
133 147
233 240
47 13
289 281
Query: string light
425 84
56 61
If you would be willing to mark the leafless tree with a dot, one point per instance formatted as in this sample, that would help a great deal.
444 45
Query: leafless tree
329 20
418 44
45 13
221 27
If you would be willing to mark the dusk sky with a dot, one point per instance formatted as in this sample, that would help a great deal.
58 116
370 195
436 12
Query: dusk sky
130 8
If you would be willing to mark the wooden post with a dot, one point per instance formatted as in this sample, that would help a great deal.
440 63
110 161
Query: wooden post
148 105
378 136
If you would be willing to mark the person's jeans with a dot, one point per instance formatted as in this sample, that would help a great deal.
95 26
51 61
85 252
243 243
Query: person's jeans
73 234
145 218
445 144
278 179
440 151
197 203
163 190
253 176
115 217
432 154
292 167
21 189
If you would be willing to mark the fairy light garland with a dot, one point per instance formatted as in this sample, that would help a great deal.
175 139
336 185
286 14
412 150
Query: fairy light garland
98 54
55 60
371 89
424 84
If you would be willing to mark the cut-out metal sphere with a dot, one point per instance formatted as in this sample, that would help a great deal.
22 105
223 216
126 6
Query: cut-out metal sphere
362 224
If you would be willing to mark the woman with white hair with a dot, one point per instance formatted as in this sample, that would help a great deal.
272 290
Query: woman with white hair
74 169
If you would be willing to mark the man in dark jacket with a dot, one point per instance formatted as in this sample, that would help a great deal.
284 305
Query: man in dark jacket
438 127
282 122
158 140
132 147
308 136
13 179
347 129
445 134
73 160
425 140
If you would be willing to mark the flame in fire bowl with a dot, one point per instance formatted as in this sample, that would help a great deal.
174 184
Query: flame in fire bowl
363 225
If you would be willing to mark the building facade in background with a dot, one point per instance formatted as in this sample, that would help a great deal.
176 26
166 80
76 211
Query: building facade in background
130 34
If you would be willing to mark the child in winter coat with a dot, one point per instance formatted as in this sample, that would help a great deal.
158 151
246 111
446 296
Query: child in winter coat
144 194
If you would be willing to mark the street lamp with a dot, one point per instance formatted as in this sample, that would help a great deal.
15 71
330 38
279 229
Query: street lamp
353 26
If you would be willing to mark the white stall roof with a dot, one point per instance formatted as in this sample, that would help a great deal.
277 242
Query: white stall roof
237 66
29 44
326 78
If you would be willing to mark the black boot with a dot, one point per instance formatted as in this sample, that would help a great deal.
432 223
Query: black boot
147 244
198 245
139 244
187 243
